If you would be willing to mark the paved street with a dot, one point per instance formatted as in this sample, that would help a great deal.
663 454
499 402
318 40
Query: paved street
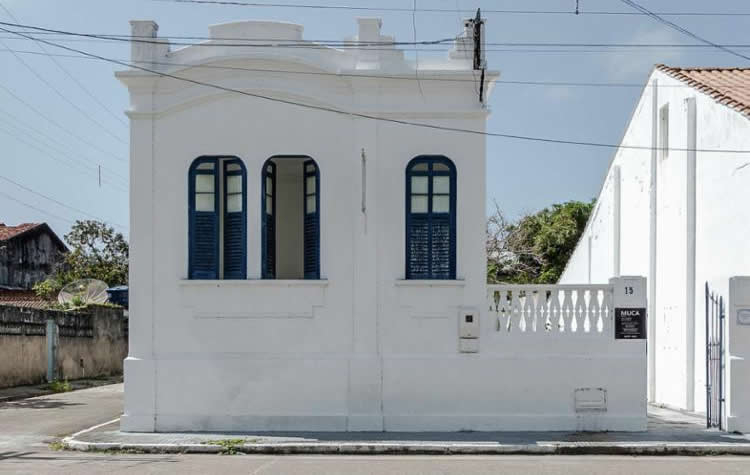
30 424
72 462
27 427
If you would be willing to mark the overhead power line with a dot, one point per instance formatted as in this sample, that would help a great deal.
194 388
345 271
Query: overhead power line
271 42
364 75
69 75
443 10
373 117
280 42
41 138
23 203
343 44
35 145
62 96
609 49
682 30
59 126
59 203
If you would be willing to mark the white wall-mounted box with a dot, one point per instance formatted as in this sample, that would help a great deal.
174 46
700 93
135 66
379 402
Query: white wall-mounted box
468 323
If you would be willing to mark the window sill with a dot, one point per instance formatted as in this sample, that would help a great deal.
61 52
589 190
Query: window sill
430 283
254 283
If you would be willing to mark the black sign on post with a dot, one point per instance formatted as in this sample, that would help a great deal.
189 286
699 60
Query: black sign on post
630 323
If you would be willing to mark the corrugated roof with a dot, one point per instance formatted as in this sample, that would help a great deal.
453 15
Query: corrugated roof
727 86
7 232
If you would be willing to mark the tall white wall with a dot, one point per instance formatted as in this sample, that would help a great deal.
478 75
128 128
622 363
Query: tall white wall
721 221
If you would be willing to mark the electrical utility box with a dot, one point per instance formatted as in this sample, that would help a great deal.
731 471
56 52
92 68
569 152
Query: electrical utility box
468 331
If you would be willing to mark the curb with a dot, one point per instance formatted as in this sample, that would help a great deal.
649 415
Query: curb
406 448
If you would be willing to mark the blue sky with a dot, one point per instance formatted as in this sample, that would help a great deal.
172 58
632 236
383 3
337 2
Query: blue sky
53 142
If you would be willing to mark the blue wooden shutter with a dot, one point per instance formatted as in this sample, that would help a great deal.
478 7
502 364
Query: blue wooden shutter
311 220
418 245
430 219
235 220
203 262
268 233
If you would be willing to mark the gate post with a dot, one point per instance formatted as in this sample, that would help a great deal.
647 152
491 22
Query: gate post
629 332
737 356
629 305
51 349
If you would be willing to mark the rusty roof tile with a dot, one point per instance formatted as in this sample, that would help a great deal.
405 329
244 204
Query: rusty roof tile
727 86
7 232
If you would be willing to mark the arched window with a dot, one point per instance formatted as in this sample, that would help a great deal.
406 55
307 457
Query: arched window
217 233
290 218
430 218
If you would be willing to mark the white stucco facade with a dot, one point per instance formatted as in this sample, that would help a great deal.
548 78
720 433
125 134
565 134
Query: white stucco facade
678 217
361 348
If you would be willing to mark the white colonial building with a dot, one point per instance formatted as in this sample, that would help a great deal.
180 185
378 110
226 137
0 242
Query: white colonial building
304 257
674 208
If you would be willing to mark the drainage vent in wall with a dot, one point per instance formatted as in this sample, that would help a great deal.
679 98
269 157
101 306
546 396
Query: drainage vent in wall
590 400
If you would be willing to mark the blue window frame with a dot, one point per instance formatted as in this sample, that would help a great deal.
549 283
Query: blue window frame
268 223
235 220
312 220
217 190
430 218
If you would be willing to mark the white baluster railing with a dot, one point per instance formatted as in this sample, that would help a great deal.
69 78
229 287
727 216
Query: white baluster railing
577 309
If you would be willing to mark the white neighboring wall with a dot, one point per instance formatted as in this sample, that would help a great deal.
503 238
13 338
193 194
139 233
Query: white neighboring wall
696 232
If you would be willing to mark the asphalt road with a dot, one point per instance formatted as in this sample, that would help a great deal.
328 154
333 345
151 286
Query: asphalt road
30 424
27 427
71 462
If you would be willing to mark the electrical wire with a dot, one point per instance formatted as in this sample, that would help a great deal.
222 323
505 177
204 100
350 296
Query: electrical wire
344 44
55 158
512 47
380 76
442 10
14 122
60 203
275 42
65 99
57 124
682 30
69 75
23 203
376 118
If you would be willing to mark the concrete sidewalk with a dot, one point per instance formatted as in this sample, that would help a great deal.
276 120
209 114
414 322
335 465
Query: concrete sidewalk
669 433
16 393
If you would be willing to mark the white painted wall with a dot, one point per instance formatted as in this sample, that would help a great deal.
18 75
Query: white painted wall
289 218
677 376
737 349
360 349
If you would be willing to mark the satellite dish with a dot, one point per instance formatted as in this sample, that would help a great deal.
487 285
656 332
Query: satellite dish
83 292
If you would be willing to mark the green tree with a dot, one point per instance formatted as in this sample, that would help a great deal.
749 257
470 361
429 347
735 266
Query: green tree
536 248
96 252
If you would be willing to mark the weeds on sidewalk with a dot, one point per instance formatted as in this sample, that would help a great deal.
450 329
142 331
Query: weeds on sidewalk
57 445
228 446
58 386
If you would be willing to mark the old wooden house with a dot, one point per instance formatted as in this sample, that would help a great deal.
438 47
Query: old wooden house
28 254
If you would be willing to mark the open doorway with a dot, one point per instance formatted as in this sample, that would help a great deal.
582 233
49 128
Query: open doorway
291 218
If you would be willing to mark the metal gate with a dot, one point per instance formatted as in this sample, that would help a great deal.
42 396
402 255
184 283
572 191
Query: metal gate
714 359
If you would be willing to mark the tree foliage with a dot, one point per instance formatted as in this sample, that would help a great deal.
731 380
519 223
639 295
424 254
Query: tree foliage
536 248
96 252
